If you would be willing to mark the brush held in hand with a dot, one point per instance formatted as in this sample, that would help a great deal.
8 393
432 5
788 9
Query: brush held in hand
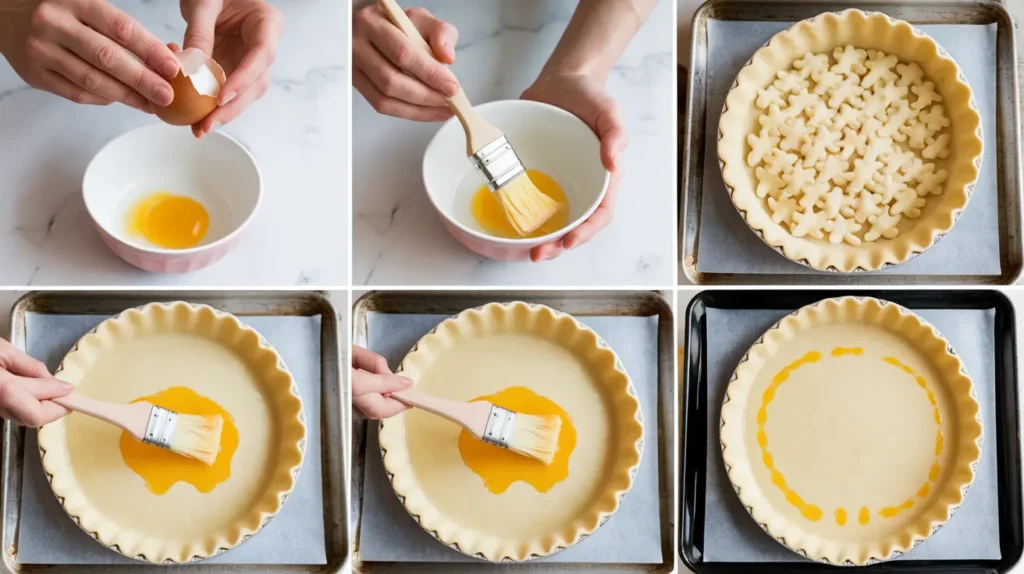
525 206
535 436
194 436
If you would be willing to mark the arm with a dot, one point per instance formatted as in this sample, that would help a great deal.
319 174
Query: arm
597 35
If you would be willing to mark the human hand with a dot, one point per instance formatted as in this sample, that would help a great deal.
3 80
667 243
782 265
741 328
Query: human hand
587 99
372 384
87 51
26 387
242 36
382 54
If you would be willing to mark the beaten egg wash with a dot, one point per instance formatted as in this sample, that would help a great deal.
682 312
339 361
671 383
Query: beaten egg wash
487 211
161 468
169 221
499 467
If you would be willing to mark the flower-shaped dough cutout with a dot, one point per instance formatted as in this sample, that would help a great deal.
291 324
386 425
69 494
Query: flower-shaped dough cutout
883 225
809 223
841 229
768 183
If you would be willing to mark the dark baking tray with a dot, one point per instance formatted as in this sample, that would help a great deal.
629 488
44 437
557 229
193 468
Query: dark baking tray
1007 137
580 303
333 433
694 413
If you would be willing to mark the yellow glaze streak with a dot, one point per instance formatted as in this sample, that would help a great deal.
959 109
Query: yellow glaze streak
487 210
810 511
499 467
161 468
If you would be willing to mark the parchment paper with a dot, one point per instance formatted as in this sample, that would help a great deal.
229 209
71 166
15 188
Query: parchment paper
730 535
727 245
294 536
632 535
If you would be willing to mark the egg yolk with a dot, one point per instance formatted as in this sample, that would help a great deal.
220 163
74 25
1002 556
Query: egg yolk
170 221
499 467
162 468
487 210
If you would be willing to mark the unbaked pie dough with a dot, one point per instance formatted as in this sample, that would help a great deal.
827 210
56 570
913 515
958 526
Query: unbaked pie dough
158 349
850 141
851 431
545 354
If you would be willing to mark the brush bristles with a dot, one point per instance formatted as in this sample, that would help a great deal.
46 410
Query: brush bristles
536 436
198 437
526 207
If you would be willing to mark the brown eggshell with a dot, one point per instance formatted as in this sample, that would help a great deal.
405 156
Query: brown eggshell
189 106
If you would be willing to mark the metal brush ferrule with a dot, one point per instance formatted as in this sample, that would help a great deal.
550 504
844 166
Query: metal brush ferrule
500 423
498 162
160 429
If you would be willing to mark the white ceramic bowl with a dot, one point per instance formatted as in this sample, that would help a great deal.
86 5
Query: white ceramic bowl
216 171
546 138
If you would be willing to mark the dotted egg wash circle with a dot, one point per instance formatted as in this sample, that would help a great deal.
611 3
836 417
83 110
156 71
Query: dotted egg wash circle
807 509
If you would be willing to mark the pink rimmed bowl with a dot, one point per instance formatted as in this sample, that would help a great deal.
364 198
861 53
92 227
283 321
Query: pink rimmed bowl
217 171
546 138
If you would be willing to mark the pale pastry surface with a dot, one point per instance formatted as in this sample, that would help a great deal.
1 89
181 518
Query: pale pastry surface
851 141
482 351
141 352
850 394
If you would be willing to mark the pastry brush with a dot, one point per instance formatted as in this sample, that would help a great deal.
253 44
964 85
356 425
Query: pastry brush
525 206
535 436
194 436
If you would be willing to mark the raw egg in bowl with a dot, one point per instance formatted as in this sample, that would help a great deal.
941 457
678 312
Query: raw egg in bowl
166 202
560 153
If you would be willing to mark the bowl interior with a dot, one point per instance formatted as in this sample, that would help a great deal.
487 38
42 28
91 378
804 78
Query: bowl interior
546 138
216 171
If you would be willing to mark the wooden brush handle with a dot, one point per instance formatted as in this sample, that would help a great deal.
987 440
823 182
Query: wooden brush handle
472 416
478 132
133 418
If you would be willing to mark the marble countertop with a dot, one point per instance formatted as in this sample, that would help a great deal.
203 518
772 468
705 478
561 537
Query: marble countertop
397 238
297 133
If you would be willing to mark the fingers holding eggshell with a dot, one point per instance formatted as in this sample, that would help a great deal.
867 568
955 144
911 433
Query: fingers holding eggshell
90 78
223 114
201 16
261 42
114 23
58 84
196 88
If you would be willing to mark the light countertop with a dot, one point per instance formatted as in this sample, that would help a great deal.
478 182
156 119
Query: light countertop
398 239
297 134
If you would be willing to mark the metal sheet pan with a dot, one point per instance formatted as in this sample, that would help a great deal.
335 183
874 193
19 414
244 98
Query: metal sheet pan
582 303
333 432
1007 138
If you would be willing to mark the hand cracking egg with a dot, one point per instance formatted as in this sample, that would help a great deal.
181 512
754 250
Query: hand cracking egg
196 88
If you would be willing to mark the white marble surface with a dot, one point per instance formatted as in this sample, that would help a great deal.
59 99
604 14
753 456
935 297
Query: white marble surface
297 133
397 238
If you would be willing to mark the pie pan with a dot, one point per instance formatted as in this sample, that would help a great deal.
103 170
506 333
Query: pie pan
139 353
487 349
850 431
865 30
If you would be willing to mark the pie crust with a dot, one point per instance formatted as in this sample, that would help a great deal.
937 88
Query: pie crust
218 356
823 34
483 350
850 431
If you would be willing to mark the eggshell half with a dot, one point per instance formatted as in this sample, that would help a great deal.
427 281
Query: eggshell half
196 88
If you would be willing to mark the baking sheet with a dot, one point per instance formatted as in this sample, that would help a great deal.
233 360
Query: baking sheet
632 535
730 535
48 536
727 245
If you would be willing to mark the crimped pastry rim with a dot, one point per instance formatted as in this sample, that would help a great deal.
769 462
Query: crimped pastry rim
731 429
56 465
875 255
431 520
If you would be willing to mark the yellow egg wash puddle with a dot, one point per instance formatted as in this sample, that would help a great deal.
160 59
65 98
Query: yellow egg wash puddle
499 467
161 468
810 511
169 221
487 211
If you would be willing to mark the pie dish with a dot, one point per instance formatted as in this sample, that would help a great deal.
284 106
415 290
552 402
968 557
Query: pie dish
850 142
850 431
480 352
139 353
